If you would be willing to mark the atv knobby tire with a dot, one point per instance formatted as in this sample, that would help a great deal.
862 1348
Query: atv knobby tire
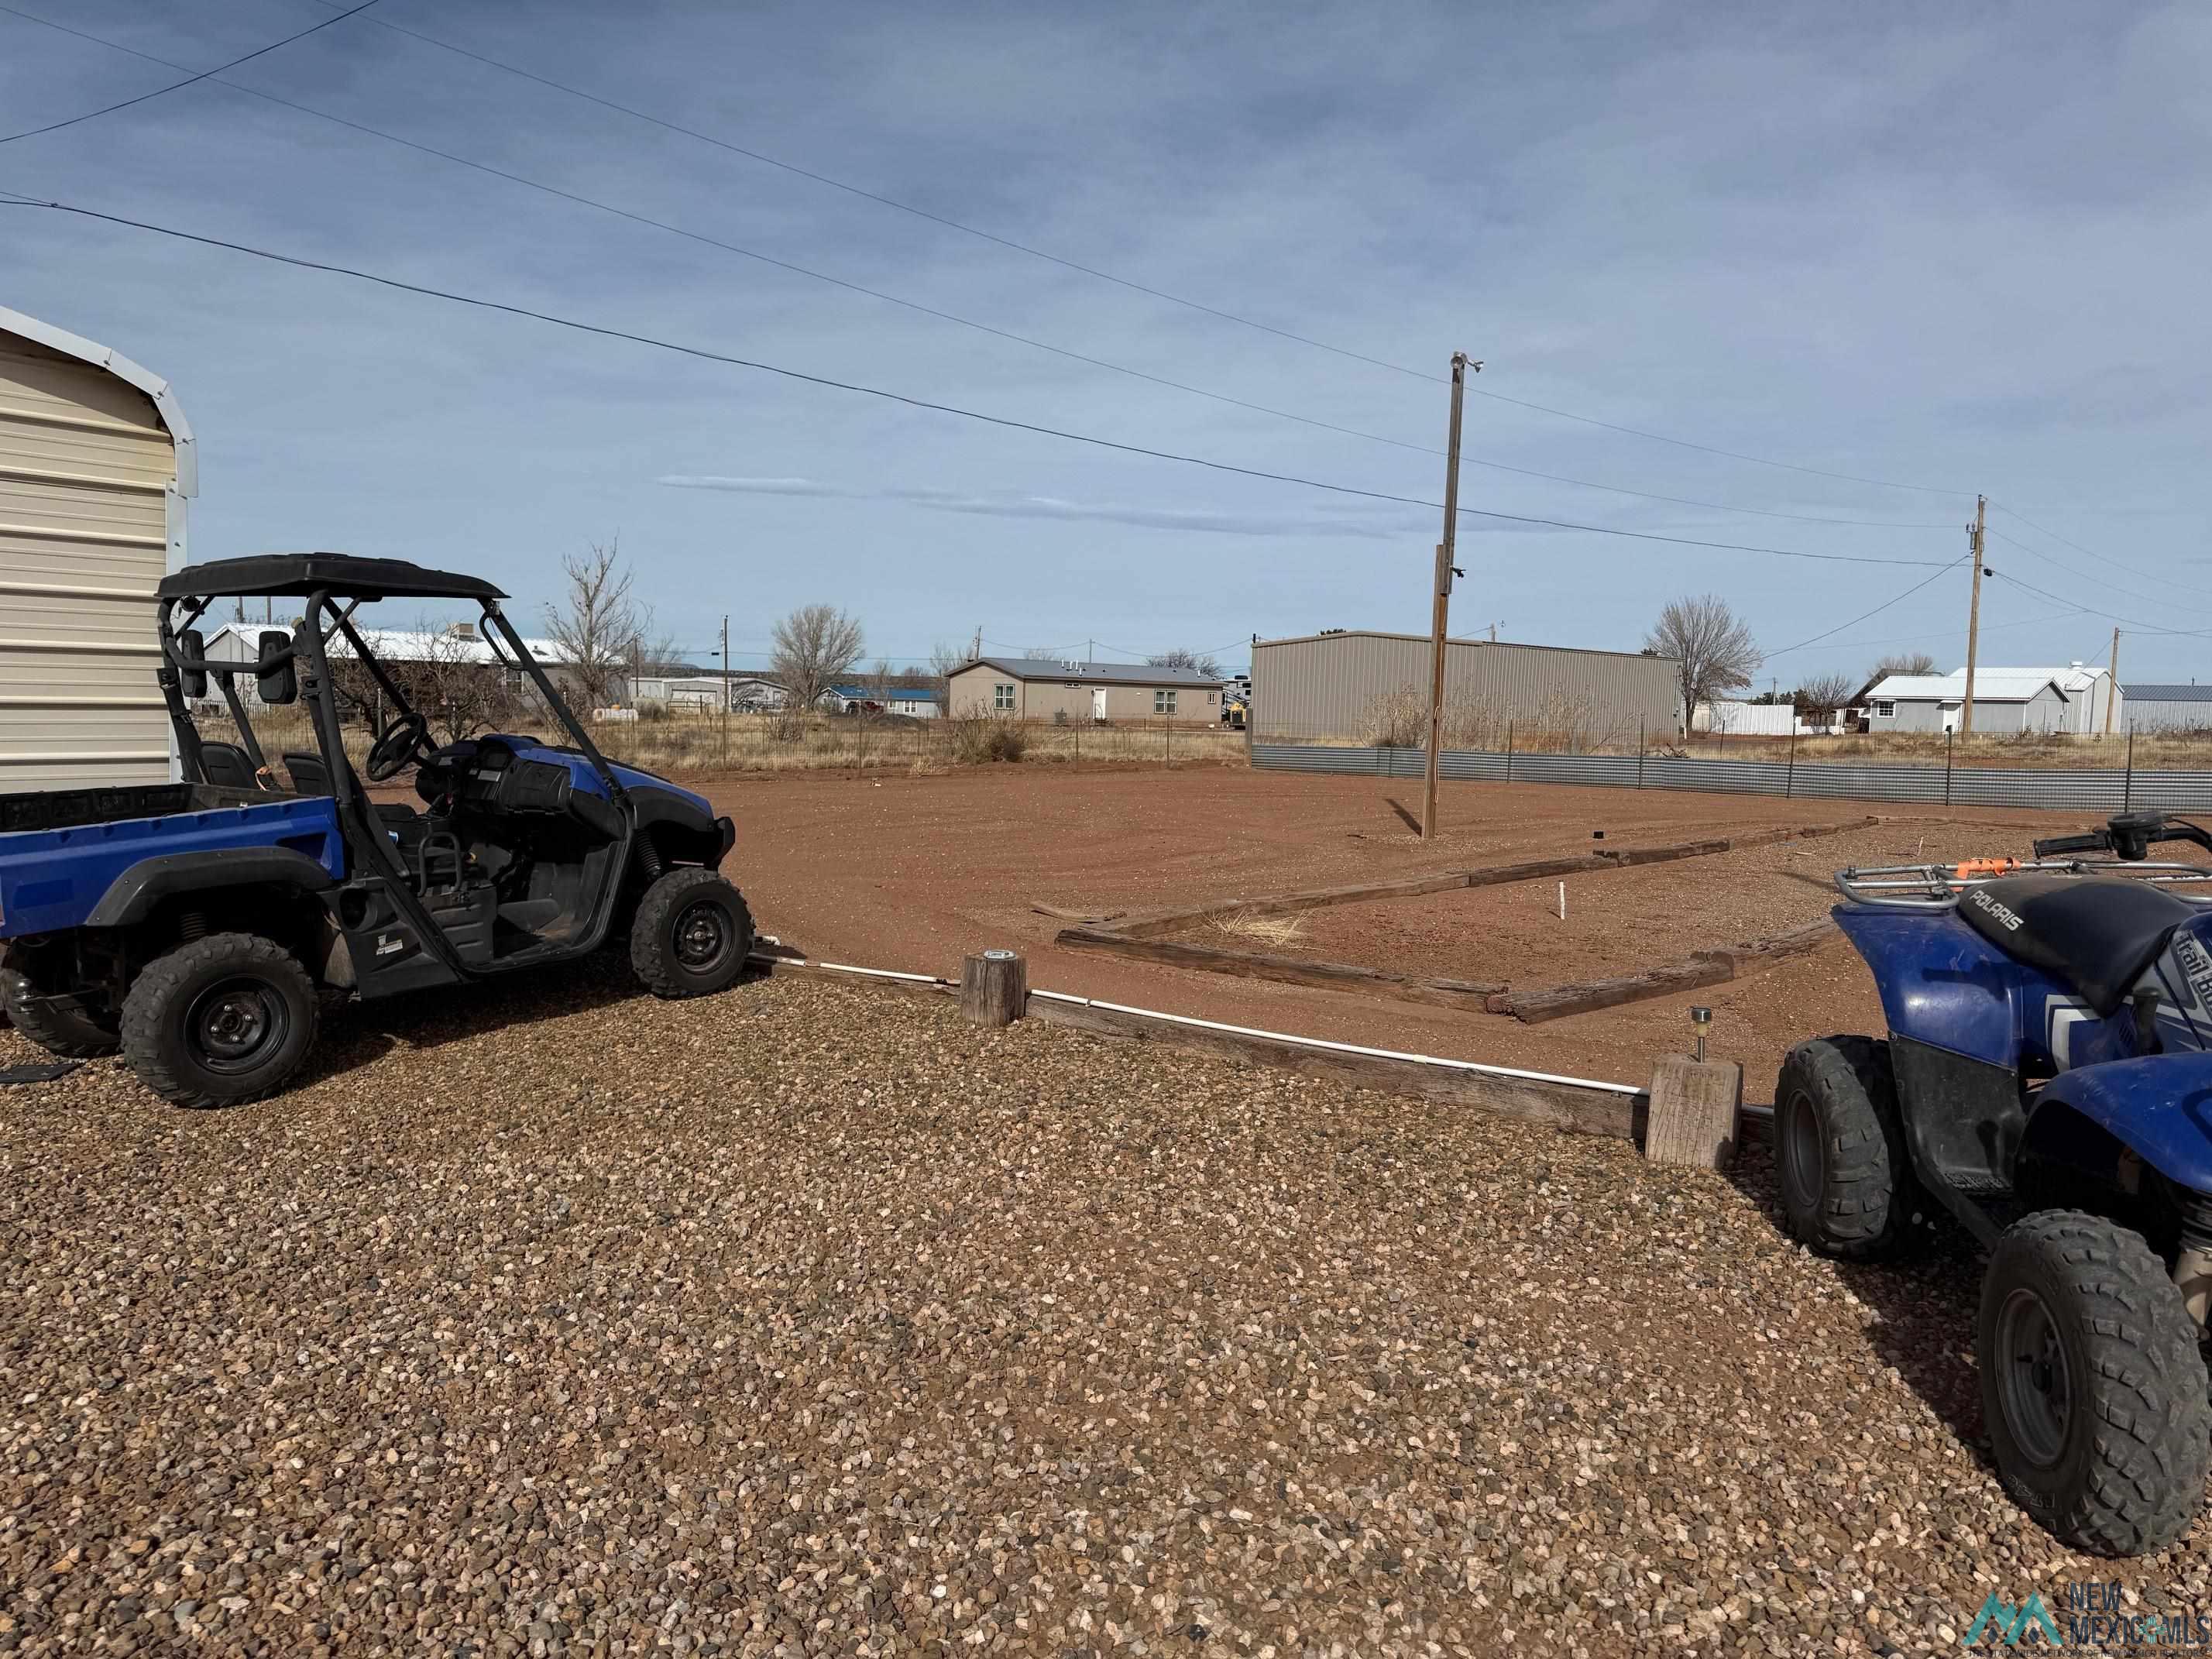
2092 1391
691 935
221 1020
71 1035
1840 1163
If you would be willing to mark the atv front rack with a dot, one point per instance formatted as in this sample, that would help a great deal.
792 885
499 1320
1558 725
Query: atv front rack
1937 886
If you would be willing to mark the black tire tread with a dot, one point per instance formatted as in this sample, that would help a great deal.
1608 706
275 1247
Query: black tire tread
2152 1441
1871 1191
72 1037
649 935
156 986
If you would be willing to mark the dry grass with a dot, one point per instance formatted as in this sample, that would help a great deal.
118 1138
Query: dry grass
1256 928
769 743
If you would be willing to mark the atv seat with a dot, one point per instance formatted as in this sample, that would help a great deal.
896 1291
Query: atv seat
2097 934
226 765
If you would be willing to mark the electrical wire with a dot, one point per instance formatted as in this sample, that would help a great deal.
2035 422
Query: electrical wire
2091 611
176 85
954 318
2103 582
1895 600
1123 282
2089 552
17 199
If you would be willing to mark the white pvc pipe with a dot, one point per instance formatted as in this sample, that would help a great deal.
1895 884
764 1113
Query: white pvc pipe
1323 1043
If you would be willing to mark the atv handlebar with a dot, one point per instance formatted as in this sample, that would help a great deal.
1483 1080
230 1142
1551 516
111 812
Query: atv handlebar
2130 834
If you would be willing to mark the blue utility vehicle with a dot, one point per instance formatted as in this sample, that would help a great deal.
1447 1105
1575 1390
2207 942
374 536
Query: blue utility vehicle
200 926
2046 1079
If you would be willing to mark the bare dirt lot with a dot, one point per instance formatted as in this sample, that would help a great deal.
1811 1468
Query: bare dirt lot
1617 920
557 1321
912 872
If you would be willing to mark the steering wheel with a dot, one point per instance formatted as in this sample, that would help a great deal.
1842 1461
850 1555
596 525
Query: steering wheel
397 745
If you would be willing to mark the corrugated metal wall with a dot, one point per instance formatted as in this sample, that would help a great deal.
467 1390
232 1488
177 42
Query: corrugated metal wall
1337 686
85 463
2151 715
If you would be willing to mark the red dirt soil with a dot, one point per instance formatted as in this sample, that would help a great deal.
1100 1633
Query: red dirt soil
1618 921
912 872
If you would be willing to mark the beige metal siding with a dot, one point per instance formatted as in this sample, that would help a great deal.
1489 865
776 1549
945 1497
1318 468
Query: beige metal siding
1071 699
1328 688
85 468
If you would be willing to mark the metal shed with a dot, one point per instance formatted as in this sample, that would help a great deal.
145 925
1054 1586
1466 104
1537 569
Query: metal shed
95 469
2155 707
1353 685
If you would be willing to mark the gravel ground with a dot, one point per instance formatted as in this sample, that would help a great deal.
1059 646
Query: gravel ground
809 1319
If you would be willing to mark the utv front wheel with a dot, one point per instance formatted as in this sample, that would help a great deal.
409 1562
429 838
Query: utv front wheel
2091 1389
691 935
1839 1157
220 1020
70 1033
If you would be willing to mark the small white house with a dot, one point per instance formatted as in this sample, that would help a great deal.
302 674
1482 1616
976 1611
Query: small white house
2070 700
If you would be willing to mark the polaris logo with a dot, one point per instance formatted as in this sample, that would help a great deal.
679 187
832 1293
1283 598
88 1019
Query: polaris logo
1983 901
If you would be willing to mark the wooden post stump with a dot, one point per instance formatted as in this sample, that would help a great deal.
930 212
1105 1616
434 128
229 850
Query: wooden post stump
995 987
1694 1111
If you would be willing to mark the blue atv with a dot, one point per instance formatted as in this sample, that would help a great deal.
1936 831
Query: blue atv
200 926
2047 1080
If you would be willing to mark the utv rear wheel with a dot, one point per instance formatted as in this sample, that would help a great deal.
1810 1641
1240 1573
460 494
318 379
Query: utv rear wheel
220 1020
68 1032
691 935
2093 1390
1839 1158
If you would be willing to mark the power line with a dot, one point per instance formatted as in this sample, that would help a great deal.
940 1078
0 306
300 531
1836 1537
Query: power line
913 402
2075 570
1124 282
2091 611
2089 552
954 318
1895 600
175 86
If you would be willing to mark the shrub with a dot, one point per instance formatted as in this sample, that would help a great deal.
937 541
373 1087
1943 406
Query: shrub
980 738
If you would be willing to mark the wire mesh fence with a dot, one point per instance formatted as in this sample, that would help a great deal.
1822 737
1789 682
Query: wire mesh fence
2171 771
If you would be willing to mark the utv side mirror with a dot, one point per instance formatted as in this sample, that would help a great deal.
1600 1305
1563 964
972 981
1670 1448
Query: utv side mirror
279 680
192 645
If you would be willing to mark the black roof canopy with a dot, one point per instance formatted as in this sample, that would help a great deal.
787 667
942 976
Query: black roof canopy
298 574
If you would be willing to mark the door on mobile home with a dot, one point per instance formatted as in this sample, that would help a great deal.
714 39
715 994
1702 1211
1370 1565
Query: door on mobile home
1098 704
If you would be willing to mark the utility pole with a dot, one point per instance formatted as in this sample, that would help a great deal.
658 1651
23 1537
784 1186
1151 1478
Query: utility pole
1440 607
2111 682
976 649
1974 622
726 691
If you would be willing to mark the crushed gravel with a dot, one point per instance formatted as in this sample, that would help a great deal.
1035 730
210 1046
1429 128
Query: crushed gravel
807 1318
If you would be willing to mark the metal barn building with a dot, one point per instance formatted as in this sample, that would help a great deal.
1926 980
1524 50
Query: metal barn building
1344 685
2153 708
95 468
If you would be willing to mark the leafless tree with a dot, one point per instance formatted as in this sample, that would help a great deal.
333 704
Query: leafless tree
1821 696
1200 661
454 683
598 625
1900 662
1711 646
816 646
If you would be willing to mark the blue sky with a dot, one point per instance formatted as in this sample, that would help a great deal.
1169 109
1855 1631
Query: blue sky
1959 248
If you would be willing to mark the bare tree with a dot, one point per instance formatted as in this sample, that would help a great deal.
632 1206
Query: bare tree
943 659
598 624
1820 697
454 681
1712 649
1200 661
1901 662
816 646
